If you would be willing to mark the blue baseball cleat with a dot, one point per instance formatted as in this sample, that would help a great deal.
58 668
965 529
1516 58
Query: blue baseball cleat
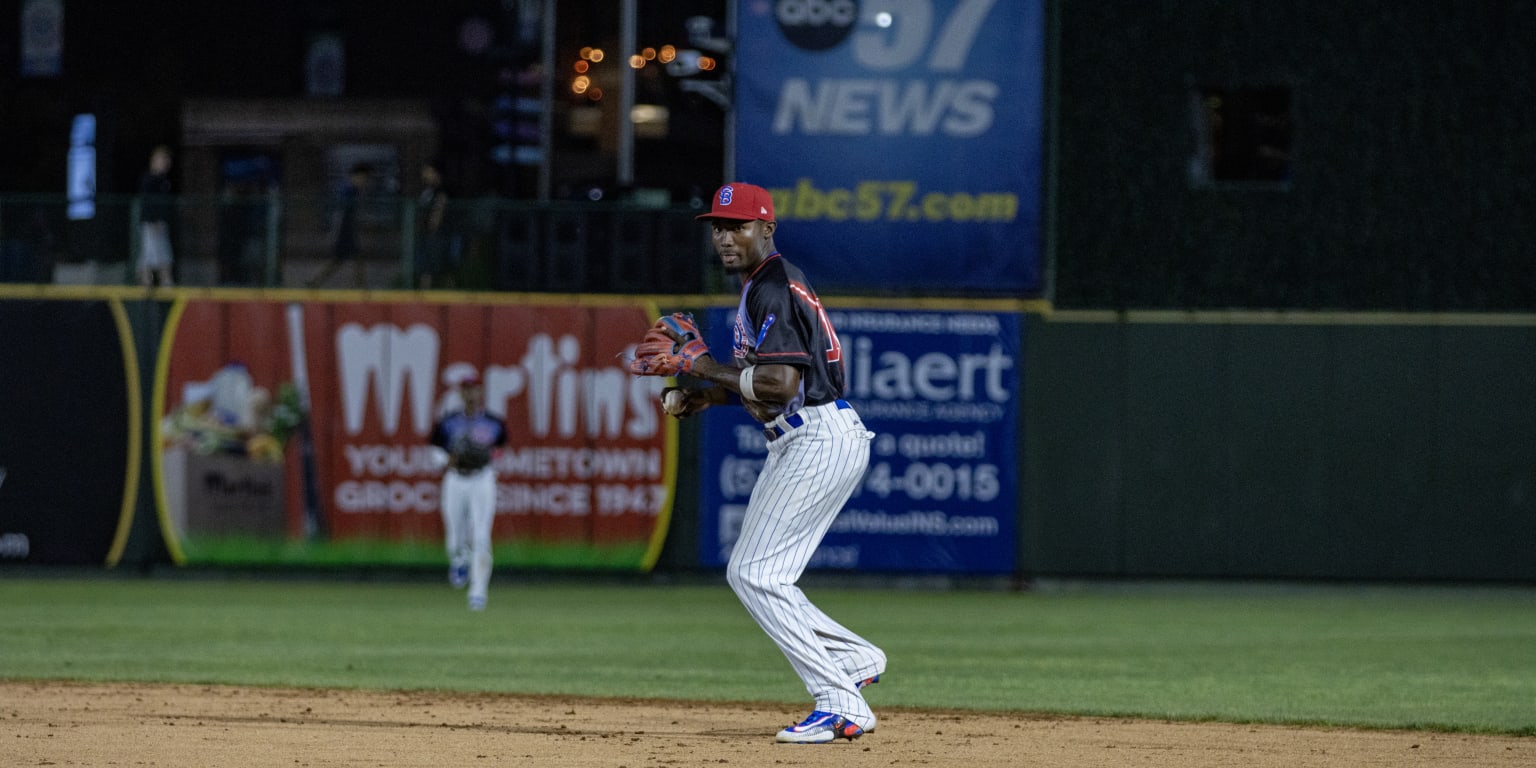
820 728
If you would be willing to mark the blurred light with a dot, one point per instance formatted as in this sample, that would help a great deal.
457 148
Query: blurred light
595 93
527 155
882 19
582 66
686 64
648 53
637 62
580 84
650 120
706 63
585 52
668 53
648 113
596 55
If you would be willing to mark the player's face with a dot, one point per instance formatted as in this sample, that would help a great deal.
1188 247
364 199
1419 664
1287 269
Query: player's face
741 245
474 397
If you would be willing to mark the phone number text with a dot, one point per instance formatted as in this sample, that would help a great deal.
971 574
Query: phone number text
933 481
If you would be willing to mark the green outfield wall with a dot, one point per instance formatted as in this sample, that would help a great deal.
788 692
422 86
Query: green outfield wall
1294 445
1356 446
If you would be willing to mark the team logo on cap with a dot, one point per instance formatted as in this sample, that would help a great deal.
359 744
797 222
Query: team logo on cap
743 202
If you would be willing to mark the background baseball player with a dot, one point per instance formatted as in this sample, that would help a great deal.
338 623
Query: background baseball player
469 435
786 368
155 219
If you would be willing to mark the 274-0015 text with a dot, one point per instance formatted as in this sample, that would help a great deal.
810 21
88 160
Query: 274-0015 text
933 481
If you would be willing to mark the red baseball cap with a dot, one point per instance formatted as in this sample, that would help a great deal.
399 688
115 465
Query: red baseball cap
741 201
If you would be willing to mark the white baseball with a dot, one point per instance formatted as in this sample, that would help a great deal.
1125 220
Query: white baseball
674 402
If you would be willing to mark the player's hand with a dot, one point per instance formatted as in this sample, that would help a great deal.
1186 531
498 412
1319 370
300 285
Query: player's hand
680 403
680 326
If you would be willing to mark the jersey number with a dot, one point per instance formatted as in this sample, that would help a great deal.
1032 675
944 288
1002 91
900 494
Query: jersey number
834 346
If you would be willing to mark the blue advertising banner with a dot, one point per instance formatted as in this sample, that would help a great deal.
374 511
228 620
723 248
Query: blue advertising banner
941 392
902 140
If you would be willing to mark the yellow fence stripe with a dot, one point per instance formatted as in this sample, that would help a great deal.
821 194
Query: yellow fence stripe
135 432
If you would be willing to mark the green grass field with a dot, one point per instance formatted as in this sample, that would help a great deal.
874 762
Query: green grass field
1457 659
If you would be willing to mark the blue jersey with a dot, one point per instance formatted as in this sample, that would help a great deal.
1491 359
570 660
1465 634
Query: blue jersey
457 428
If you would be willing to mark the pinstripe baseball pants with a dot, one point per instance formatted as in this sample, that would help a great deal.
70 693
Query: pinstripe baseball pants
811 471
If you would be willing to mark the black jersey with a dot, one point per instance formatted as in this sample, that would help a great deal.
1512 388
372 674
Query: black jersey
780 320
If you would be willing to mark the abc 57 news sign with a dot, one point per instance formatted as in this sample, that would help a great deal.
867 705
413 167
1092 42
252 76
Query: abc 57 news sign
902 142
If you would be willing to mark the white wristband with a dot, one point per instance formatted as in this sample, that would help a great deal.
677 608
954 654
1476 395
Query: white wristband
745 382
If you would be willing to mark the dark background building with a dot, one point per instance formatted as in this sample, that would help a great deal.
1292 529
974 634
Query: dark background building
1204 153
1409 178
135 65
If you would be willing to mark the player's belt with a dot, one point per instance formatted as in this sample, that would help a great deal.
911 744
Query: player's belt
777 428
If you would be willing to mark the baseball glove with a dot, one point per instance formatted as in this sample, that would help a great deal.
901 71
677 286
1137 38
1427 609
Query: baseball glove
669 347
469 455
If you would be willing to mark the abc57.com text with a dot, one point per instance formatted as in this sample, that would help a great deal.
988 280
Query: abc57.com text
891 201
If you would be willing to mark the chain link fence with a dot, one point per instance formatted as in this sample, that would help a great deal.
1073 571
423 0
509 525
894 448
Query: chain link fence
269 240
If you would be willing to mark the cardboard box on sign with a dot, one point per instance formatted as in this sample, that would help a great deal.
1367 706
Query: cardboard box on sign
222 494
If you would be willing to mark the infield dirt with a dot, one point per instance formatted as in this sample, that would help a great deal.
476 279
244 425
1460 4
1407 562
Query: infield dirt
192 726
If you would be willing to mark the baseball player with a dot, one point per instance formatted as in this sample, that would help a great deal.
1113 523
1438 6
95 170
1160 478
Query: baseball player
786 370
154 226
469 436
